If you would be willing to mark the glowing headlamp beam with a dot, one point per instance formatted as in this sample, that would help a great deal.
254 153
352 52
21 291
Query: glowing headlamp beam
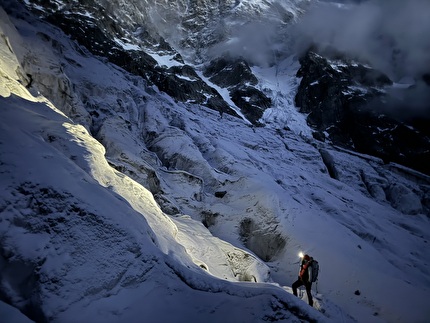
301 255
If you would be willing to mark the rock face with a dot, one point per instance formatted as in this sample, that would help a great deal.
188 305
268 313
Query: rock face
179 81
129 40
237 77
346 101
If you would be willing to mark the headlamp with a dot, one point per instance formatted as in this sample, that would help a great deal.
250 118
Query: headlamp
301 255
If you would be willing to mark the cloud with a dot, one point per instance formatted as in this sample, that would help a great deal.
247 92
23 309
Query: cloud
393 36
254 41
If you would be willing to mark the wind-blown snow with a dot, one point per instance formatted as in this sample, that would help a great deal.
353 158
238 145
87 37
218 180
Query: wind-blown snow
101 204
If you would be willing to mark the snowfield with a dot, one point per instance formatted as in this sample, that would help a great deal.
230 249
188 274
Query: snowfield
118 204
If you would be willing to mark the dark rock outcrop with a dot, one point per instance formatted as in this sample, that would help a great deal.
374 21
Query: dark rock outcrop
183 84
347 102
230 73
236 75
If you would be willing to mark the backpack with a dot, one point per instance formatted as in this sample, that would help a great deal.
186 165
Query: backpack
315 269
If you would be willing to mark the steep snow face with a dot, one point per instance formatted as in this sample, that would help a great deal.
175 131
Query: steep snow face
102 204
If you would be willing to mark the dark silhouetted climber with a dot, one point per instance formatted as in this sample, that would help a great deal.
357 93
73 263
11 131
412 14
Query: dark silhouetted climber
305 278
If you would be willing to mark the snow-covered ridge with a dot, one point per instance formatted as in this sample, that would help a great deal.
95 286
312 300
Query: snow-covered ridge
85 195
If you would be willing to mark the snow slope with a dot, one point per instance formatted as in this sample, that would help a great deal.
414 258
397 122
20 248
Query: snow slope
86 243
82 252
105 182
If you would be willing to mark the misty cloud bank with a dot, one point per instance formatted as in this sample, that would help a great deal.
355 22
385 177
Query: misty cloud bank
392 36
257 42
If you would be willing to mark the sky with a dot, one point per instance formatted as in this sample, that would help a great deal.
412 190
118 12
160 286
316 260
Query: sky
76 210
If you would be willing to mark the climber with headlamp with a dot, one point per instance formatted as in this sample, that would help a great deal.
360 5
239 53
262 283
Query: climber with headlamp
305 277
